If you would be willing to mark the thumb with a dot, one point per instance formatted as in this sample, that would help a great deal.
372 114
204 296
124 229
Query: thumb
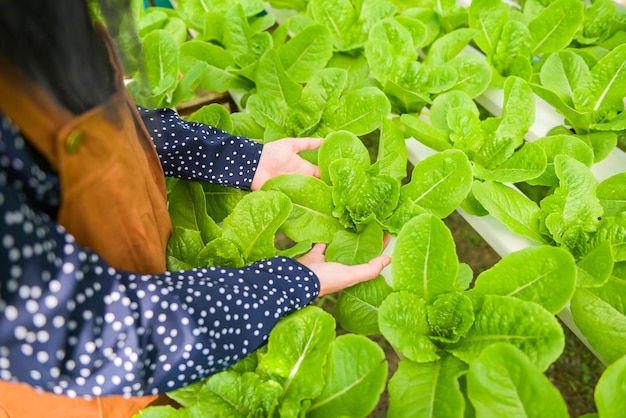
371 269
301 144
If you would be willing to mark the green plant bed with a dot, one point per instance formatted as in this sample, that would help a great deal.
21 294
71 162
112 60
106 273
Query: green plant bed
374 77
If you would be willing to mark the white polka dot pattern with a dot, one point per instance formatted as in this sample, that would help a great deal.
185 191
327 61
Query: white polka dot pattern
196 151
71 324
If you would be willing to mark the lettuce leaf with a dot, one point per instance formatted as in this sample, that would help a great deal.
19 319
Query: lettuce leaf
545 275
311 217
600 314
252 226
295 356
520 214
427 389
574 204
502 381
355 375
440 182
526 325
425 259
402 318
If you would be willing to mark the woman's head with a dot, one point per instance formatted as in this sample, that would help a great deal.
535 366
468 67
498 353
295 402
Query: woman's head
55 43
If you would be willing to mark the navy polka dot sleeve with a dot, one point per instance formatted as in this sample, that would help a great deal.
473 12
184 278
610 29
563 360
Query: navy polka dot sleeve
195 151
71 324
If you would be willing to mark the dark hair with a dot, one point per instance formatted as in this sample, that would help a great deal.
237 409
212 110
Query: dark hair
55 43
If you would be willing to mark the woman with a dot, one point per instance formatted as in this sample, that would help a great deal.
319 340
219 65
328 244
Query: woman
86 306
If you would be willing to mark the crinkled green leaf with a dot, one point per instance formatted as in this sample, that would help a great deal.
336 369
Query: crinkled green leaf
359 197
220 252
356 373
520 214
404 212
272 80
357 307
356 248
425 132
440 182
467 132
563 72
306 53
270 112
337 15
573 203
163 411
613 230
595 268
245 125
390 45
608 82
487 17
512 54
218 61
554 28
242 42
214 115
612 194
443 103
580 120
298 5
450 317
320 92
311 216
526 164
183 248
545 275
427 389
449 46
441 78
356 67
600 314
253 223
236 395
610 391
341 144
602 143
561 144
360 111
502 381
295 357
403 322
473 74
221 200
465 276
187 208
160 64
392 152
526 325
424 258
518 109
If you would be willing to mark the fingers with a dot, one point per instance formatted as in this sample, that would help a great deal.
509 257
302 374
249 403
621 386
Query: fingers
301 144
369 270
318 248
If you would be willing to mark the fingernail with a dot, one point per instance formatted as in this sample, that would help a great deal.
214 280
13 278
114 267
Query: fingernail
386 261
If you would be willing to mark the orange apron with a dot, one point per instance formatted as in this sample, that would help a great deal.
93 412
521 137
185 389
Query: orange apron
113 201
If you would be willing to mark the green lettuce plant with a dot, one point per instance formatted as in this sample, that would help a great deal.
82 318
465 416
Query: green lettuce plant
445 332
343 69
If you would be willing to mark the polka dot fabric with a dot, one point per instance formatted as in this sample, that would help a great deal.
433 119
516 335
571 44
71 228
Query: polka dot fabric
71 324
197 151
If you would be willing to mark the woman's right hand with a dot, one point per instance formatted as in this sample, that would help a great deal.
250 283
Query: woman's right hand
334 276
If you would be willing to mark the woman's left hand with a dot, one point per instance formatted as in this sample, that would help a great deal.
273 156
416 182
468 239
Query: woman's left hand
281 157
